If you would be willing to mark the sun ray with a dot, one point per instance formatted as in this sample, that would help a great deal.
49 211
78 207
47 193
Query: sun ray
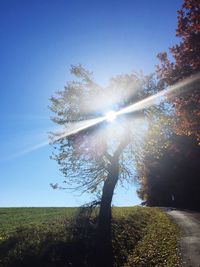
74 128
155 99
25 151
159 97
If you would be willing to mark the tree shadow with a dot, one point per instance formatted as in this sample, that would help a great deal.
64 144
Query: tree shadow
98 242
76 244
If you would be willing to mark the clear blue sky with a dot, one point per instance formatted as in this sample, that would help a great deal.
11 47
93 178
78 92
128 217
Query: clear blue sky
40 39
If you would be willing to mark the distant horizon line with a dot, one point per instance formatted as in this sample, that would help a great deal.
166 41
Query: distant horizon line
1 207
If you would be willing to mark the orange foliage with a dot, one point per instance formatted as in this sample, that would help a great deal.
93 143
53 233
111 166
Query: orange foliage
186 56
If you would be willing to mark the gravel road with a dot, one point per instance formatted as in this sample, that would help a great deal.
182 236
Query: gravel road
189 223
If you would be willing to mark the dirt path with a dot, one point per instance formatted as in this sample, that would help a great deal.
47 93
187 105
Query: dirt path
189 223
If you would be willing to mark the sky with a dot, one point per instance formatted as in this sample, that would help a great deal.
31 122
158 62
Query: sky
40 40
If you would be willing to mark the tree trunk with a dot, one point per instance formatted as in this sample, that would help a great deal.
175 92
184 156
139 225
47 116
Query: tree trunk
104 237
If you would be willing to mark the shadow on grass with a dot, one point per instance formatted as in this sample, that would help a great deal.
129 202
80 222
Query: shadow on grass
72 242
67 243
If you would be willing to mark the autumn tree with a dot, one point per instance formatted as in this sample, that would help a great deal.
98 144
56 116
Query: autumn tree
186 62
170 175
95 153
173 178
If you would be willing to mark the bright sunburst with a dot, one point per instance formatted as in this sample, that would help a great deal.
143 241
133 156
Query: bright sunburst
111 116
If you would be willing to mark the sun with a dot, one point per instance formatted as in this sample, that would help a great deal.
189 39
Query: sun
110 116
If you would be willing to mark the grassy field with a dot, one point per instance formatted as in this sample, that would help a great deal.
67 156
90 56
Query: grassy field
48 236
12 218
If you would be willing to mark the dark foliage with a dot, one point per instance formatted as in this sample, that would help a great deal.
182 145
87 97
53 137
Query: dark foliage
173 179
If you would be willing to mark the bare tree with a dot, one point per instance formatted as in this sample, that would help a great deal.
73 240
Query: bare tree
94 154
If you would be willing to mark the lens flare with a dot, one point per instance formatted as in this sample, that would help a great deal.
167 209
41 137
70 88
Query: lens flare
111 116
78 127
159 97
71 129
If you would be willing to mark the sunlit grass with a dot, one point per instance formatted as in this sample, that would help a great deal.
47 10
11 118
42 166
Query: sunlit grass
140 237
12 218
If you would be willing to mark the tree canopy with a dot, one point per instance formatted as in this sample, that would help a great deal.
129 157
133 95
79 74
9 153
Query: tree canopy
171 178
84 157
186 62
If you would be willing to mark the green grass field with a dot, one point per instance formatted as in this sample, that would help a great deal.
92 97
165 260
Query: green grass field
12 218
141 237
